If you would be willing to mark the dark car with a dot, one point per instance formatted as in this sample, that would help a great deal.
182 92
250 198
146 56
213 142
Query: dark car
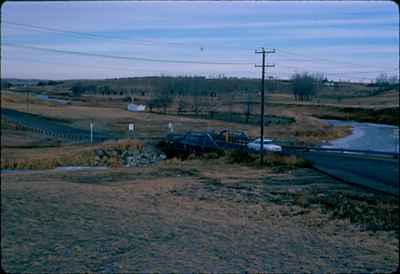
197 142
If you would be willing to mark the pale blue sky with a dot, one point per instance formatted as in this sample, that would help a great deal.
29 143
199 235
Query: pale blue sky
346 40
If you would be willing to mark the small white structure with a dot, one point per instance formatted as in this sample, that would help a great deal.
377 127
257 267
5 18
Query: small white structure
131 127
136 108
171 127
91 132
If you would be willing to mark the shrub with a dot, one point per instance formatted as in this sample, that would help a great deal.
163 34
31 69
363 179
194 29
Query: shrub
239 156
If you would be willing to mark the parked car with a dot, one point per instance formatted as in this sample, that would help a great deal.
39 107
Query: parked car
267 145
197 142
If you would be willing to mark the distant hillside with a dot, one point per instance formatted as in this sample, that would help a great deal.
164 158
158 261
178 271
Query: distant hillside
206 86
153 86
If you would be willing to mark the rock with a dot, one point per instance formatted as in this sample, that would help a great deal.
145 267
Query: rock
124 154
99 152
113 153
358 209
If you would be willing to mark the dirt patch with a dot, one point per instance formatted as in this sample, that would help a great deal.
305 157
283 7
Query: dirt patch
124 176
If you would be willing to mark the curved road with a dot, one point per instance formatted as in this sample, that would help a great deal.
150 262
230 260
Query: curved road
52 128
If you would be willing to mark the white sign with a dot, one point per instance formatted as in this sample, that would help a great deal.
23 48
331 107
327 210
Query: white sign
131 127
91 133
171 127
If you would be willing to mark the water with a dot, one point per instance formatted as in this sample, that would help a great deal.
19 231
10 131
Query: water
367 136
9 170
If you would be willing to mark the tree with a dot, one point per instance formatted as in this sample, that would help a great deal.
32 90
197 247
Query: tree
305 85
161 100
196 102
271 85
77 89
231 105
181 105
383 82
247 107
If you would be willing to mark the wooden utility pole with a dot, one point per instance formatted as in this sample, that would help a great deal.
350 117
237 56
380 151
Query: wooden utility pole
263 66
27 101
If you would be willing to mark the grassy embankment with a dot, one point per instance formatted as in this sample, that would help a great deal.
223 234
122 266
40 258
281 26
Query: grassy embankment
194 215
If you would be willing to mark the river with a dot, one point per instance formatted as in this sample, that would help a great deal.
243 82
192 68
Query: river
367 136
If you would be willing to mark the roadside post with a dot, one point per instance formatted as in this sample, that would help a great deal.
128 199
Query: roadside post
91 133
171 127
131 129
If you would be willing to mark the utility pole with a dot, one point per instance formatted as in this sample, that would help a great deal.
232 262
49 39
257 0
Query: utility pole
263 66
91 132
27 100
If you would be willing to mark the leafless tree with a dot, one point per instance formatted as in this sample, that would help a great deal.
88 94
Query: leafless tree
247 107
306 85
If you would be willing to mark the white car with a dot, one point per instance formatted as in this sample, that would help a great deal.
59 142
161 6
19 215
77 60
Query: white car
267 146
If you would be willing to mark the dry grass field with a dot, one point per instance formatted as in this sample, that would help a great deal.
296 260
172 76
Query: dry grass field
196 215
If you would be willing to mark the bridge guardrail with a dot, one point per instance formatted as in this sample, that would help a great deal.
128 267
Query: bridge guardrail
288 149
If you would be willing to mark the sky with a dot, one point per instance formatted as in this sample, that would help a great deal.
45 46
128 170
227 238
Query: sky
345 40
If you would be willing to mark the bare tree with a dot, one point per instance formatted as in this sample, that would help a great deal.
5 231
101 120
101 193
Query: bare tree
383 82
306 85
231 105
196 102
247 107
161 100
181 105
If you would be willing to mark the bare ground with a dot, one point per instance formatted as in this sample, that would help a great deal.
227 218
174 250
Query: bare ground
197 215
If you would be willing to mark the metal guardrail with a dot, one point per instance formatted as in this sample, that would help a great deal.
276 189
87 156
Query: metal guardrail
54 129
289 149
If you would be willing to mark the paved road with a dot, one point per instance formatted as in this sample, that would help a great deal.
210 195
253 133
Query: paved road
379 173
367 136
52 128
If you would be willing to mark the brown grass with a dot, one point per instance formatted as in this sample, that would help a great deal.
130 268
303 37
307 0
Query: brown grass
48 158
203 216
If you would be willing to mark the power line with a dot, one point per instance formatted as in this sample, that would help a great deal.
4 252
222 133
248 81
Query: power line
97 36
58 63
125 57
311 59
337 73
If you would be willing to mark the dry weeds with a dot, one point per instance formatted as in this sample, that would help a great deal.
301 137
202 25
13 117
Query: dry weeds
182 216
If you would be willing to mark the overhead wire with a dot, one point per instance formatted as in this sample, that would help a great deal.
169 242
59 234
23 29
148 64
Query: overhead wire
145 59
97 36
58 63
336 73
312 59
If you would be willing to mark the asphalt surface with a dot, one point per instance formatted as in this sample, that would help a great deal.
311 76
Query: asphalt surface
367 136
374 172
52 127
